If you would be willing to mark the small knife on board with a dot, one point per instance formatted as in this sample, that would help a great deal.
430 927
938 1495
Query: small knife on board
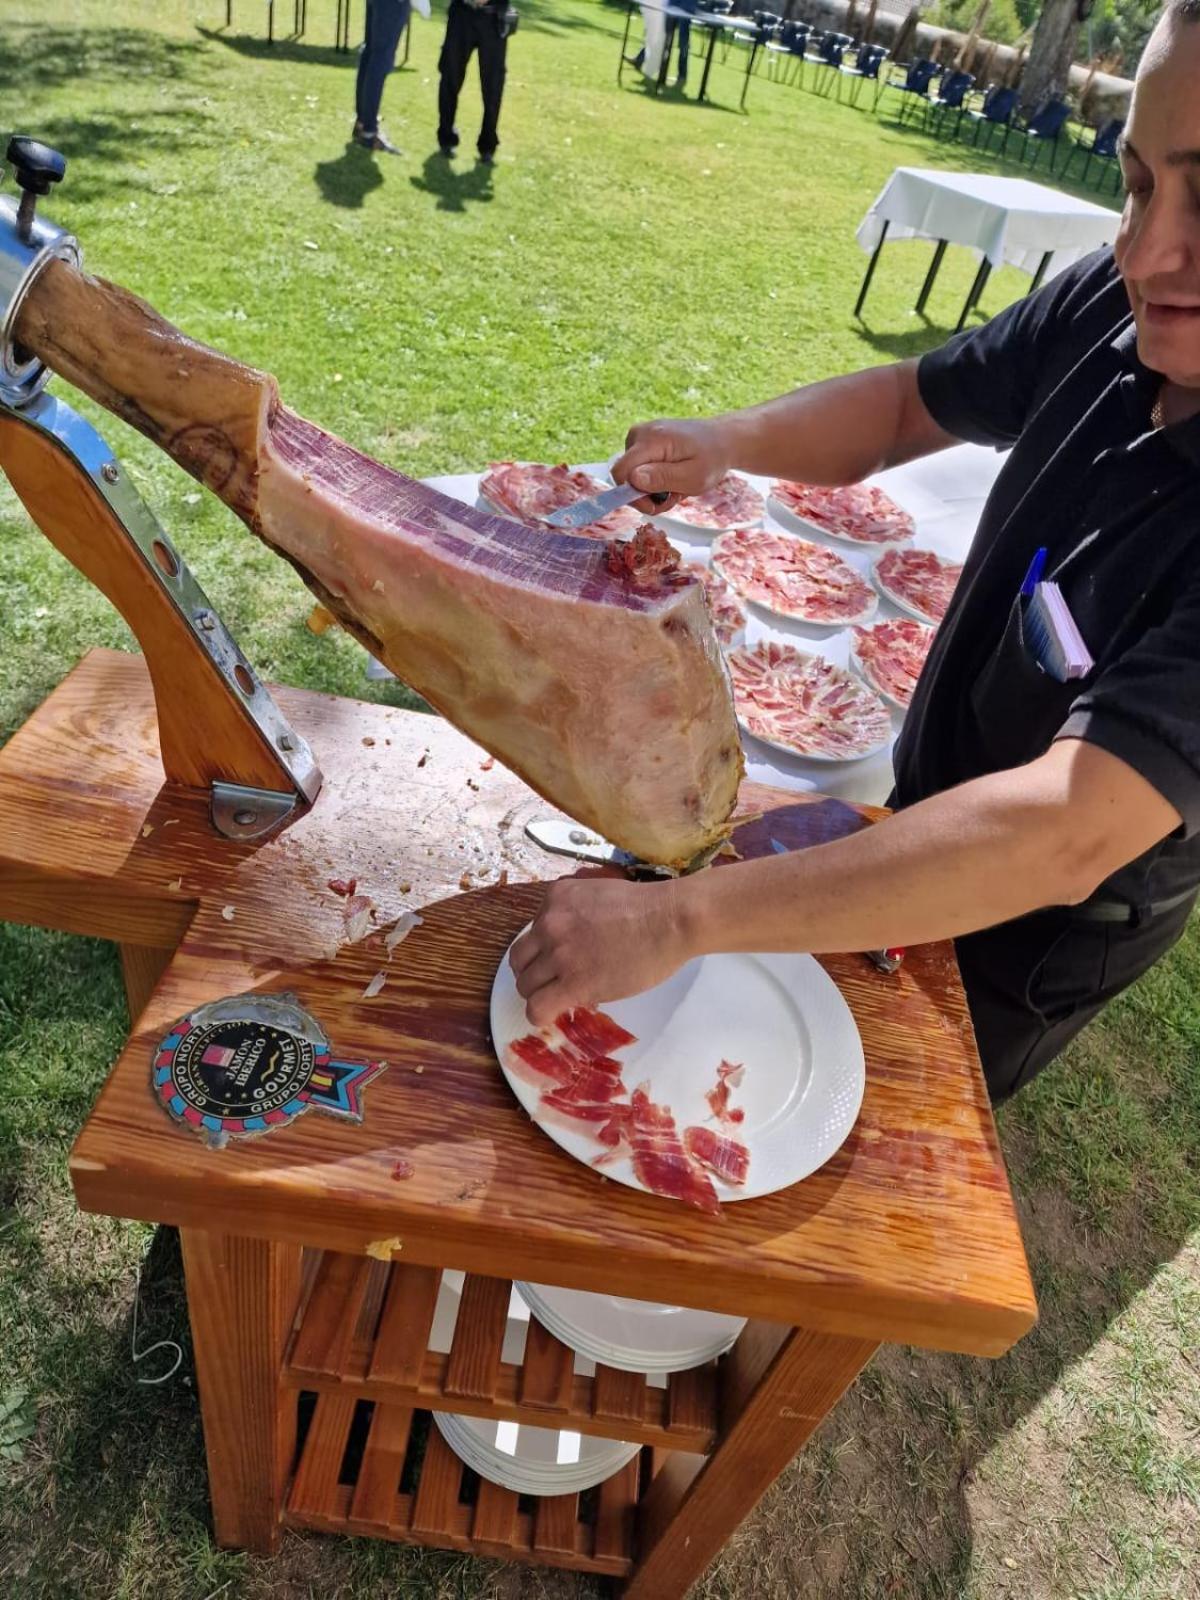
584 512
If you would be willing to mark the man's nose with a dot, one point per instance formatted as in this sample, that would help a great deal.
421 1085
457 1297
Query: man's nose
1159 241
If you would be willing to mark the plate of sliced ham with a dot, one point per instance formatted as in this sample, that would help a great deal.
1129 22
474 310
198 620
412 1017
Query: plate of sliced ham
732 503
725 605
917 582
793 578
889 656
530 492
804 705
854 514
738 1076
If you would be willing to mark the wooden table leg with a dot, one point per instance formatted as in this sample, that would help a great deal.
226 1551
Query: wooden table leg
780 1385
141 967
242 1297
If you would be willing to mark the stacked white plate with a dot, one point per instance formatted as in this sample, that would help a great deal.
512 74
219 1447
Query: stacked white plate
632 1335
533 1460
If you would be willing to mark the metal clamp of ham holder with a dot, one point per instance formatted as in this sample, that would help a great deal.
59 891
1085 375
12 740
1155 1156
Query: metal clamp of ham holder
29 244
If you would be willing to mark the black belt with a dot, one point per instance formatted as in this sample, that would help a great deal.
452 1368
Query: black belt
1121 911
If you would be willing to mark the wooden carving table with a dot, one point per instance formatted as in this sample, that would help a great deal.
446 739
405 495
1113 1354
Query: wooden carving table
312 1269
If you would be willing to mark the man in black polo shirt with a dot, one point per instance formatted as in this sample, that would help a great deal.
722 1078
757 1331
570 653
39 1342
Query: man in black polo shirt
1052 829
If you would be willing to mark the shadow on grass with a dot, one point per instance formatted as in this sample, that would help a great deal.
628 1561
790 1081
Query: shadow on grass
105 158
288 49
349 179
454 188
38 57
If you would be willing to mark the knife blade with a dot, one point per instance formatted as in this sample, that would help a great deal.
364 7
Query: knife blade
569 839
584 512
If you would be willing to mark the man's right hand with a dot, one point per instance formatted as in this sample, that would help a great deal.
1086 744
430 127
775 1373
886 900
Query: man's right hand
677 458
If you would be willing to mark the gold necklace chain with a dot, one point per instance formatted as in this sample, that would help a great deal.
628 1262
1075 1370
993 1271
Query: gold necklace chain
1156 410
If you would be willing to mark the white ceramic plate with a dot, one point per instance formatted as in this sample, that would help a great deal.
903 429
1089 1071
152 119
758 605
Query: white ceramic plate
780 1015
836 626
637 1335
807 755
792 520
533 1460
905 606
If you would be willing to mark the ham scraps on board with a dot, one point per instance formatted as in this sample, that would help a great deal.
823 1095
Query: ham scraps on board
726 1158
594 675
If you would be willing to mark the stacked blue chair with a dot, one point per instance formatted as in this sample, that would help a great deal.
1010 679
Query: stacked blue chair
915 88
1105 147
867 63
830 50
951 97
1044 128
998 109
788 51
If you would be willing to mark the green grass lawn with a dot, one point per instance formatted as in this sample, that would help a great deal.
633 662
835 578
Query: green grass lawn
627 257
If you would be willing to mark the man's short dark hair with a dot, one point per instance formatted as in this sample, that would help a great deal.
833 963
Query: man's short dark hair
1185 10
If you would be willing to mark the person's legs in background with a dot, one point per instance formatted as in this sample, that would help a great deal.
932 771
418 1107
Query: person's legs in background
385 25
685 39
684 36
452 65
364 55
493 52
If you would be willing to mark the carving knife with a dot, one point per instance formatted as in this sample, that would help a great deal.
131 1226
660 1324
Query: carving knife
584 512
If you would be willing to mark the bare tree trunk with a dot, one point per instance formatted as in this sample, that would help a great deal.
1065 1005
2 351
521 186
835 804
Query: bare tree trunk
869 30
963 59
1050 55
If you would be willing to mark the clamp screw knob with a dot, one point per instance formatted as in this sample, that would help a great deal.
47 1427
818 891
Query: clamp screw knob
36 167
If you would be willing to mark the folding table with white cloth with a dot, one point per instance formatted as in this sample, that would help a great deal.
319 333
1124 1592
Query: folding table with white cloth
1006 221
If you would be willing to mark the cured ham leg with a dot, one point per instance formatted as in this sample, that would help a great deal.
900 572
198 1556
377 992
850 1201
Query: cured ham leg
599 684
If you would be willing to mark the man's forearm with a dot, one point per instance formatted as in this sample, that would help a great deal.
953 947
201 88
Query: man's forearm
981 854
838 431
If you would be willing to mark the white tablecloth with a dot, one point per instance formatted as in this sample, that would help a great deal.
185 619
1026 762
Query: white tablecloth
1008 220
945 494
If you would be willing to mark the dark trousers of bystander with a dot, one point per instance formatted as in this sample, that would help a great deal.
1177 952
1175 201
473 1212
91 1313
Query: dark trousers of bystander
386 20
469 29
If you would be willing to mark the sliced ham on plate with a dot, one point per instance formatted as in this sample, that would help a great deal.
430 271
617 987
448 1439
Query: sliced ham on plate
890 656
660 1161
854 513
805 704
793 577
918 581
721 1155
724 606
732 503
531 493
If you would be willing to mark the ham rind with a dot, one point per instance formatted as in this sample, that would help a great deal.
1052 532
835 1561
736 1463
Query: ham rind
593 1032
608 697
726 1158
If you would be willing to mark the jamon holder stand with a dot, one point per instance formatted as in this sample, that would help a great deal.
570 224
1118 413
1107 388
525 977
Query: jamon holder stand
169 802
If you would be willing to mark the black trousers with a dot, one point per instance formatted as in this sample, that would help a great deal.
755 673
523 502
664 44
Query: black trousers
468 29
1034 983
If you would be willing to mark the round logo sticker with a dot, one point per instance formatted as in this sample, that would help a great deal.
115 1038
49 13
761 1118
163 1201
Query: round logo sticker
244 1065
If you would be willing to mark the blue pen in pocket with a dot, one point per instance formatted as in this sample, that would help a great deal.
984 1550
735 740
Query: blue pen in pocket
1051 634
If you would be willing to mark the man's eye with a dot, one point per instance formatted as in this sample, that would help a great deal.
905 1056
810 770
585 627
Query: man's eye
1137 186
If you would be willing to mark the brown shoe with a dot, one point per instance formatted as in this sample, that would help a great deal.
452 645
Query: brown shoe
375 141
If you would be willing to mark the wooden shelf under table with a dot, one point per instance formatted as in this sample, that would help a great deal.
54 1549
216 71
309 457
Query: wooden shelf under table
364 1333
386 1472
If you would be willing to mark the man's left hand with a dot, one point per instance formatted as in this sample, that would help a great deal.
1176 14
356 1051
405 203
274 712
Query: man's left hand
597 938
